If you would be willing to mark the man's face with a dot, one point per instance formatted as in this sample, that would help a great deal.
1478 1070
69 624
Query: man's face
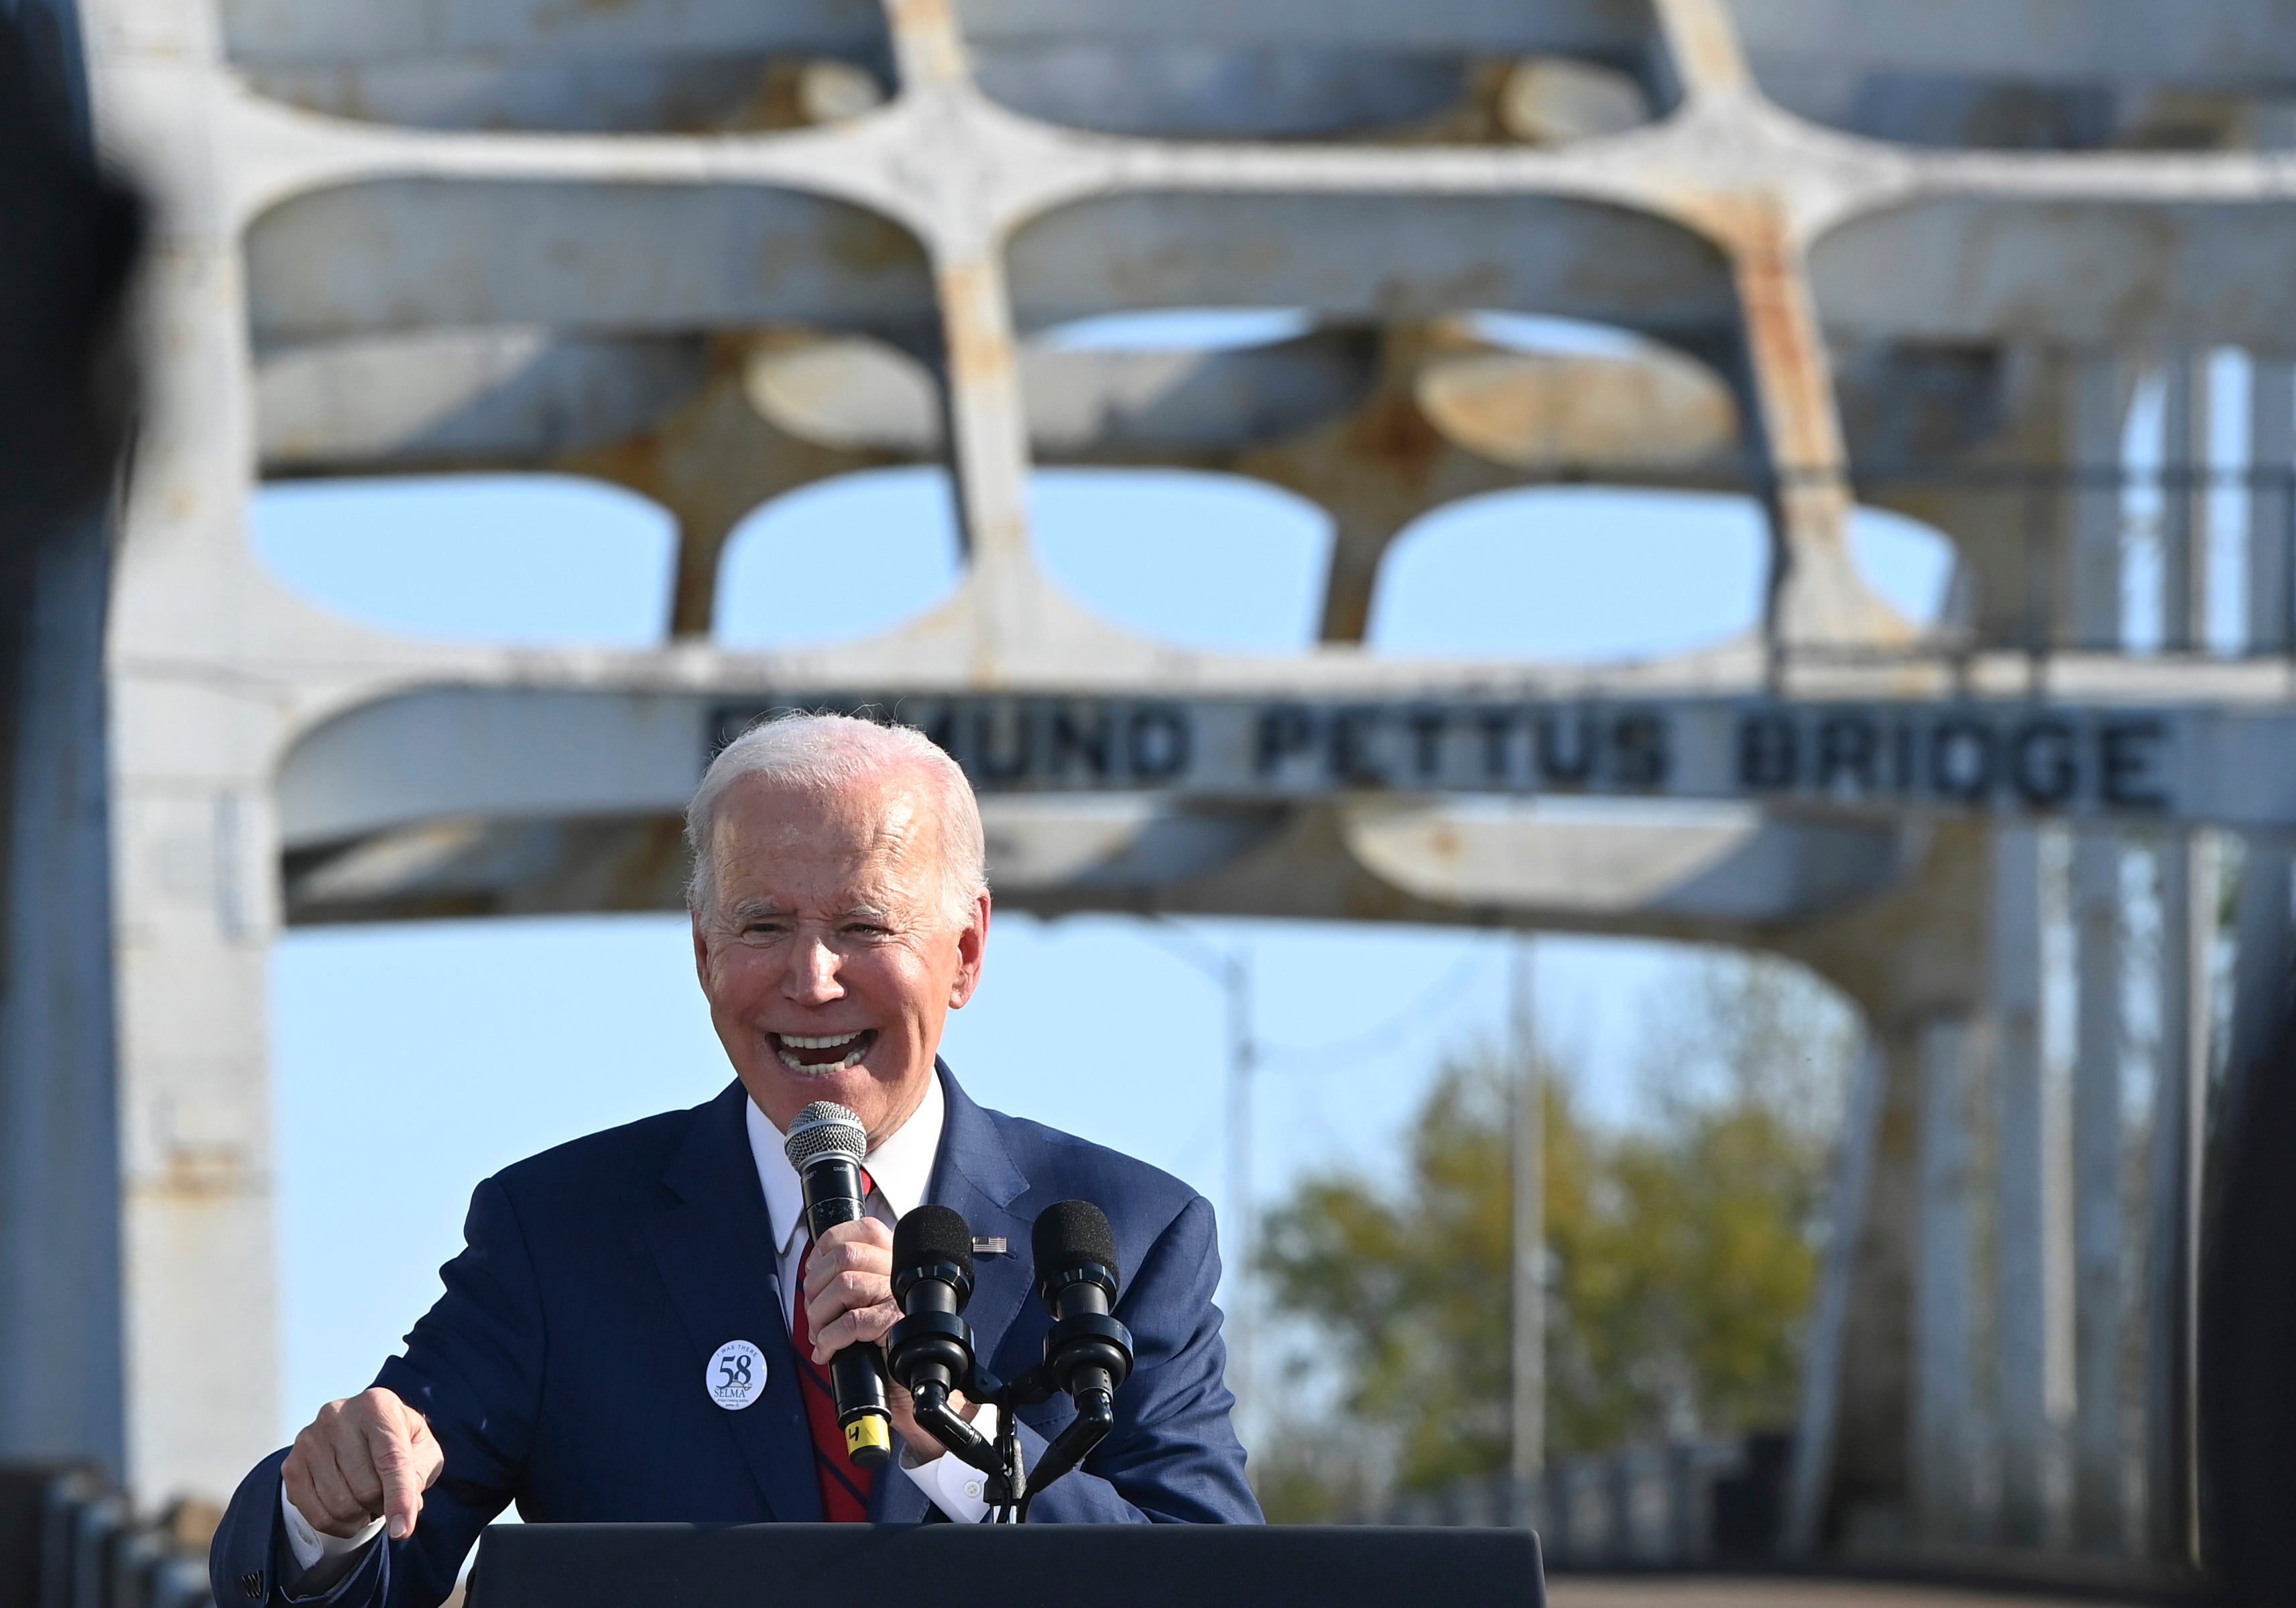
829 957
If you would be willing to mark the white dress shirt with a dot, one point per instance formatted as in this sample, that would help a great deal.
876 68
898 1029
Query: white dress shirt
901 1168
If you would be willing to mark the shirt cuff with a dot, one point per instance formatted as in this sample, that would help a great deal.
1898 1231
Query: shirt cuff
312 1546
952 1484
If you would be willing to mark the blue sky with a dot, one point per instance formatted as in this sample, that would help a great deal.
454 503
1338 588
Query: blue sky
410 1060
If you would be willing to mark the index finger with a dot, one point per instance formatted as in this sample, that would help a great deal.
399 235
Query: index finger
867 1231
392 1450
841 1251
867 1277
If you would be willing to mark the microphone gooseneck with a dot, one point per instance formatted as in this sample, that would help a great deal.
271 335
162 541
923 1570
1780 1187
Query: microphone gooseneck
825 1146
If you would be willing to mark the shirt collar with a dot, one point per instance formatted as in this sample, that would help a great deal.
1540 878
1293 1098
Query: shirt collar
901 1168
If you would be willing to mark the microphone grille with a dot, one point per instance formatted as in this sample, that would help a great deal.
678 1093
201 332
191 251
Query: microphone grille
1071 1232
932 1231
824 1128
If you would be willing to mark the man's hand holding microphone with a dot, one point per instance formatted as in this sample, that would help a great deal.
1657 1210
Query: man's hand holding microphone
848 1300
848 1273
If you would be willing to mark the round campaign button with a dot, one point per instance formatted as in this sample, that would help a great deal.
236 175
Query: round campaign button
736 1376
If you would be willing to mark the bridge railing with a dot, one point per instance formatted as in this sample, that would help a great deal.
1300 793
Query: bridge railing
69 1540
1641 1507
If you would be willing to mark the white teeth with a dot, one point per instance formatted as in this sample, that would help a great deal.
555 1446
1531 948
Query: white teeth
814 1068
859 1039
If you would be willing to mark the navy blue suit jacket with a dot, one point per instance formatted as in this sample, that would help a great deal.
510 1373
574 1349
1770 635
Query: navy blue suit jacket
564 1368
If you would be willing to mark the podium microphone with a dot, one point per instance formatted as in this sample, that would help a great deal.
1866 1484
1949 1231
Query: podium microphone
1087 1352
930 1350
826 1144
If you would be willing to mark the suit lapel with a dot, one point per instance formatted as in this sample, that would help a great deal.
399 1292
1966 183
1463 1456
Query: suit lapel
975 1177
715 1247
978 1178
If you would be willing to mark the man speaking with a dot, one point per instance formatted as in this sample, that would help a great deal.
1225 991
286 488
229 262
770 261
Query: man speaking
639 1327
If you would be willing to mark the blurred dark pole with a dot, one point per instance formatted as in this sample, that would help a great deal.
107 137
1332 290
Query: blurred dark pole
67 244
2247 1440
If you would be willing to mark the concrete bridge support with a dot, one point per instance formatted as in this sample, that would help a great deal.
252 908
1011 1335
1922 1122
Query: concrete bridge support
2186 874
712 463
1944 1448
196 888
2030 1305
2100 1205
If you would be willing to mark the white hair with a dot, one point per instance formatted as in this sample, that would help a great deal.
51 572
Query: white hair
824 752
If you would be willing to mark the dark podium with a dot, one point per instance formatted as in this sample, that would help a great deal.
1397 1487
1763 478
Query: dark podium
1003 1566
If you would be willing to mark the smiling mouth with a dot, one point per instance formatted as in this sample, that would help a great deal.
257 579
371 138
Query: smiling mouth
831 1052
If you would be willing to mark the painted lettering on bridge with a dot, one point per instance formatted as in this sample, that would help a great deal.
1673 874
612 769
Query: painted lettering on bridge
1483 747
1972 756
1025 744
1285 747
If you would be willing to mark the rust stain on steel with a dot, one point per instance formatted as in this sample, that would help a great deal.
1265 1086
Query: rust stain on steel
1813 587
973 318
1392 432
712 461
651 861
933 49
1347 598
986 411
200 1172
1703 39
1793 381
1540 411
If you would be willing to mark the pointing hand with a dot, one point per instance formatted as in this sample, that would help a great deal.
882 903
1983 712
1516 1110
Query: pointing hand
368 1457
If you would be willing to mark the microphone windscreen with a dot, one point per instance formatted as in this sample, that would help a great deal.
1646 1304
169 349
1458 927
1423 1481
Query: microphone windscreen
929 1232
1073 1231
825 1127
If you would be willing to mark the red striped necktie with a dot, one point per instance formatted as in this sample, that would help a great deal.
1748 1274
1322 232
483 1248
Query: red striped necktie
844 1489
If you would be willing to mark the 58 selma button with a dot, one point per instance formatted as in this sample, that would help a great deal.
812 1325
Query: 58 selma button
736 1376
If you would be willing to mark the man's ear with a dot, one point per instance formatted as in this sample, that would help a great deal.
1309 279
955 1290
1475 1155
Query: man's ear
971 952
701 952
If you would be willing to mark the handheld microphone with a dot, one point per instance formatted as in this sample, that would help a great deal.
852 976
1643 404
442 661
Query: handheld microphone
826 1144
1087 1352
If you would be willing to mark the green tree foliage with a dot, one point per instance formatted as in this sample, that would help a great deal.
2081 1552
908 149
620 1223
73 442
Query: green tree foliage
1681 1249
